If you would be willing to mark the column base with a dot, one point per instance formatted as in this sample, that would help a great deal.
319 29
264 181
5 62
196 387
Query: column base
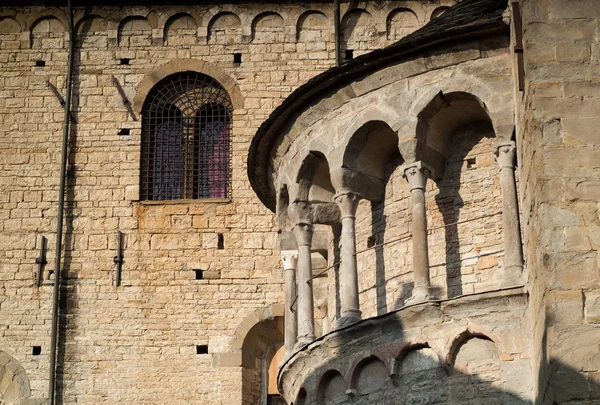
512 277
420 294
303 341
347 319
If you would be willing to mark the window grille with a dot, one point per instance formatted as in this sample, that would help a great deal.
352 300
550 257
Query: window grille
186 130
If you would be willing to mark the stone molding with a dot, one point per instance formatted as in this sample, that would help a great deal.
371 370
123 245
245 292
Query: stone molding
184 65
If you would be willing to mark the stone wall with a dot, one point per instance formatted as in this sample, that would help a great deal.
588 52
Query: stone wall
470 350
138 342
559 155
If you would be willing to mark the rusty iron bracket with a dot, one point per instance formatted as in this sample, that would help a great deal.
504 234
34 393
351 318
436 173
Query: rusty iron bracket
41 261
61 100
118 259
126 101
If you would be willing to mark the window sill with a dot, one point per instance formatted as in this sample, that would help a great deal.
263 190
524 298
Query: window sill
187 201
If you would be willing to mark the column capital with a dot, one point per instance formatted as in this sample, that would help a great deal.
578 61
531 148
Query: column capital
348 203
303 232
416 174
505 155
289 259
300 211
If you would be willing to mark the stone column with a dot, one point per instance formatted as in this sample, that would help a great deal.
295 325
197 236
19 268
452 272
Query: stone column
290 259
513 248
306 311
350 308
416 174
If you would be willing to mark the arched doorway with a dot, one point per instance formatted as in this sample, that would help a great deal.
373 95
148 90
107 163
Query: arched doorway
260 338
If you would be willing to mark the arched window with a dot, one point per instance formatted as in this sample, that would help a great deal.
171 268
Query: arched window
186 133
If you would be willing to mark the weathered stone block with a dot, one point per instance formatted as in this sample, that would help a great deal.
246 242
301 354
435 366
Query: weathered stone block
592 306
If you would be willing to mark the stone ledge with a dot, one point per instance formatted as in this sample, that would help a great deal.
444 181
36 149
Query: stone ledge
186 201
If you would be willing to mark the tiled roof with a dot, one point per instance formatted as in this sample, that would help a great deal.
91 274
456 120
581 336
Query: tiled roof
464 19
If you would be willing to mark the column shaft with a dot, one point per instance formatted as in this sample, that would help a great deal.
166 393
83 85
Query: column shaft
419 238
416 174
350 310
513 248
290 259
306 311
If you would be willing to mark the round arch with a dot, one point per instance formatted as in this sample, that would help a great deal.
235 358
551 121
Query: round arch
359 366
502 117
14 384
182 65
469 333
36 17
248 329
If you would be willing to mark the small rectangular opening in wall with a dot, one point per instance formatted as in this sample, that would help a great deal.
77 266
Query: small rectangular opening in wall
472 163
124 61
202 349
349 54
237 59
124 131
40 63
36 350
220 241
199 274
371 241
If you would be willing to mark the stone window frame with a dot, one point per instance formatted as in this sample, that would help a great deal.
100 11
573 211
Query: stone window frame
229 85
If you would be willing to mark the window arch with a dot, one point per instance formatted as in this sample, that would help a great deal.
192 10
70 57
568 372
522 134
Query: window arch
186 131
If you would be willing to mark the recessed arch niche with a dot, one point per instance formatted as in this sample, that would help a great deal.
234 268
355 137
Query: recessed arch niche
455 136
181 30
268 28
401 22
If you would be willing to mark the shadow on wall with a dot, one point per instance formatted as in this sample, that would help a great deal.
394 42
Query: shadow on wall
378 229
450 202
474 372
68 294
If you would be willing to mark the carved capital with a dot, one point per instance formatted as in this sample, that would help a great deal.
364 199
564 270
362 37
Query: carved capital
289 259
348 203
506 154
417 174
300 212
303 232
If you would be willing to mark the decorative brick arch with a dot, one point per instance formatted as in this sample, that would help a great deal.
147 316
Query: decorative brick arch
359 364
473 331
184 65
410 347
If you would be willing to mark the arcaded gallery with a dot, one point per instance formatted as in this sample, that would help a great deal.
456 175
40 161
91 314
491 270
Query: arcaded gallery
387 202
